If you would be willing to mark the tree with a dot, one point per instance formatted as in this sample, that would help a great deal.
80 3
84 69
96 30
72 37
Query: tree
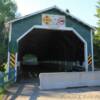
7 12
97 38
8 9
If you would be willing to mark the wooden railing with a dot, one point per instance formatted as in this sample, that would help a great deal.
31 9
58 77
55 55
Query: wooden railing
6 80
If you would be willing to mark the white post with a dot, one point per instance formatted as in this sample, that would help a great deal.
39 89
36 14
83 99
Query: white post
16 56
92 50
8 59
8 63
86 57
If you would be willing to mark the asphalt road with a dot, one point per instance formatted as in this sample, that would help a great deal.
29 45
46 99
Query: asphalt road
31 91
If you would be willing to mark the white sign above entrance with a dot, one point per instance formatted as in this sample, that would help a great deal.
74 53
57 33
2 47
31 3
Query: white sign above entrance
54 21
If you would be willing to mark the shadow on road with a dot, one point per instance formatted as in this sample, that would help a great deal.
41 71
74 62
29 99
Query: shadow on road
25 90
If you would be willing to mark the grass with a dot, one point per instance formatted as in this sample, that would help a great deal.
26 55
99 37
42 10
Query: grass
7 84
1 96
3 90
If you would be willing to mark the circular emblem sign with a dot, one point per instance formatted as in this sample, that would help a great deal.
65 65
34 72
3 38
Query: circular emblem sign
60 21
47 20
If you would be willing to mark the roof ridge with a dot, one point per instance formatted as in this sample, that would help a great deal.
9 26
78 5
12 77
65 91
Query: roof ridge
46 9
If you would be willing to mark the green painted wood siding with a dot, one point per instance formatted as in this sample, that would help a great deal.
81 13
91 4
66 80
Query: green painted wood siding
21 26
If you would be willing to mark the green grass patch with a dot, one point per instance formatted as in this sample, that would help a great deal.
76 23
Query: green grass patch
1 90
1 96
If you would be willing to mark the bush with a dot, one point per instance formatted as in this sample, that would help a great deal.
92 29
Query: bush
2 68
97 50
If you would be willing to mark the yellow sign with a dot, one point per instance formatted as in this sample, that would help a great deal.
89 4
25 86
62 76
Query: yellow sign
47 20
12 60
89 59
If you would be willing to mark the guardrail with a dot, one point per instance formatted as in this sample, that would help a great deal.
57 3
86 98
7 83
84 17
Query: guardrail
6 80
61 80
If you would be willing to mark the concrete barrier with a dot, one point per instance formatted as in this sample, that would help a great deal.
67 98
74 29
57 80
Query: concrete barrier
69 79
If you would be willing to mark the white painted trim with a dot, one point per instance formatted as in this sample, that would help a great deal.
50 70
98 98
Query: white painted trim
50 9
85 48
92 50
8 59
32 14
25 33
86 56
10 32
8 63
74 17
62 28
9 39
16 60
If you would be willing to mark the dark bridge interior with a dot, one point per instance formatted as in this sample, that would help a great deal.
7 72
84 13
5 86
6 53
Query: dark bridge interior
52 48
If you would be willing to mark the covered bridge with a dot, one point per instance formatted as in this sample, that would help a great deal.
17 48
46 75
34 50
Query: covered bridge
50 40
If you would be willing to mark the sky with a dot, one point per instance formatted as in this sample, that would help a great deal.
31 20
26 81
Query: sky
82 9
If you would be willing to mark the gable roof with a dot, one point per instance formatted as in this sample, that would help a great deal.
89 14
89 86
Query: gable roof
50 8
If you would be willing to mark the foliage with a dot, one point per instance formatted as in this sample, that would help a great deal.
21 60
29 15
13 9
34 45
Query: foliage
2 68
7 12
1 96
97 50
97 38
3 53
